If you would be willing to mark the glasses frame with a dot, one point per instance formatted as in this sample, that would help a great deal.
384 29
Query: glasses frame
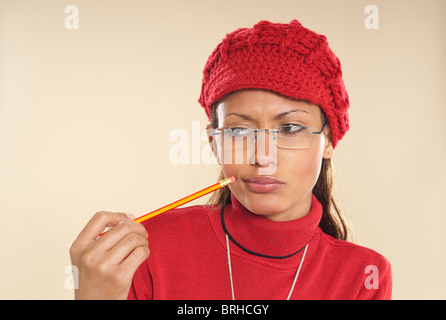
256 131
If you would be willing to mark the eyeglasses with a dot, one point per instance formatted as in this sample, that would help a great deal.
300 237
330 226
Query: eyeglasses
289 136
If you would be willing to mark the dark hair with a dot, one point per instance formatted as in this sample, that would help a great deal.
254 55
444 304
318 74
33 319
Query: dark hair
332 221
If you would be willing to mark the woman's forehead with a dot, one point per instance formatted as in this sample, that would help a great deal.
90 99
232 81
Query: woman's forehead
254 102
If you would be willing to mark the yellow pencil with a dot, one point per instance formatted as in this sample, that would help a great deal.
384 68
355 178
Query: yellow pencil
184 200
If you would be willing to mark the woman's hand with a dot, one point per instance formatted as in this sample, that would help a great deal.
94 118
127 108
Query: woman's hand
106 265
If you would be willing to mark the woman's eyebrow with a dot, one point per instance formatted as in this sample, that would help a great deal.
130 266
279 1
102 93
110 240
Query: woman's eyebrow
241 115
283 114
277 117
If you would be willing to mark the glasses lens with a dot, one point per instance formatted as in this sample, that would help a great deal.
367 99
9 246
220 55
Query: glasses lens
291 136
294 136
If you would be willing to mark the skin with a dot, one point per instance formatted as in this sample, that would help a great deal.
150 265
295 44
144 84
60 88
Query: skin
298 170
106 265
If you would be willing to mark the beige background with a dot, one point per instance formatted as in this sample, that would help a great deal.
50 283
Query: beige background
85 119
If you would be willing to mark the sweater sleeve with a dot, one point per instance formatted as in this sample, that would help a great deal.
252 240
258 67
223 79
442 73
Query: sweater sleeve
141 287
377 282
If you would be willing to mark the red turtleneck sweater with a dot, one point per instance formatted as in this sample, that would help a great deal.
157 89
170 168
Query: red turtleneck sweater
188 258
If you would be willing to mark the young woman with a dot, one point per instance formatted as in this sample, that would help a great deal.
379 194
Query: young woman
277 107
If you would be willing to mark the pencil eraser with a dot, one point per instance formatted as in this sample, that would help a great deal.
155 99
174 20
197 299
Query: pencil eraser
232 179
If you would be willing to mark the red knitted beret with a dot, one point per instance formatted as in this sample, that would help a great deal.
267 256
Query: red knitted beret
288 59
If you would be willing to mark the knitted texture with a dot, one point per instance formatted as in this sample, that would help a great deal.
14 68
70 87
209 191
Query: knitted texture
288 59
188 258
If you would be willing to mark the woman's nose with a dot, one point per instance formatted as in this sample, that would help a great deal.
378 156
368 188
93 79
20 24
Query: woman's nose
265 156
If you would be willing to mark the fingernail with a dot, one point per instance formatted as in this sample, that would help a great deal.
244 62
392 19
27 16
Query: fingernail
130 216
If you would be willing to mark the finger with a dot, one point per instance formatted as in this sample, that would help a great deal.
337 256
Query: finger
134 260
125 247
98 223
118 232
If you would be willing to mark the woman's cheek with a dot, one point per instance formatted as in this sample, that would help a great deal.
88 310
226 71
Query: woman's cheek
303 166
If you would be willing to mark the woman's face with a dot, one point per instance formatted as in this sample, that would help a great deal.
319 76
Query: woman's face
273 181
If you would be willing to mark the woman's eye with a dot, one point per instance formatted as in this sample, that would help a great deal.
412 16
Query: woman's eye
236 131
291 129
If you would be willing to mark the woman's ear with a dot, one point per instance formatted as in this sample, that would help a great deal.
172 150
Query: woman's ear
328 149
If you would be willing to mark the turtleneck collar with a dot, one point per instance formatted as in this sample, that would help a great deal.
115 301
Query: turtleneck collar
267 238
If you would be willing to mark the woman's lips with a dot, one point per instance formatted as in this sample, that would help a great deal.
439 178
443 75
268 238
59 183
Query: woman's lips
263 184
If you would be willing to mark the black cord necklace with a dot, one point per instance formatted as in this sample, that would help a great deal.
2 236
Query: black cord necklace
250 251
